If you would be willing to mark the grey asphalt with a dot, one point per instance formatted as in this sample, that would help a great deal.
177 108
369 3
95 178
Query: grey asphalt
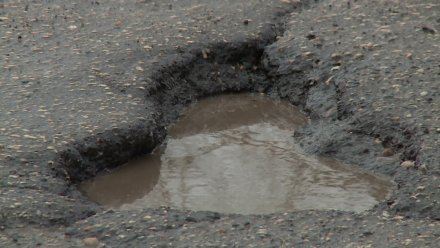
72 70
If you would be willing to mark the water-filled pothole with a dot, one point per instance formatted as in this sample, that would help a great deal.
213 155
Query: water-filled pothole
236 154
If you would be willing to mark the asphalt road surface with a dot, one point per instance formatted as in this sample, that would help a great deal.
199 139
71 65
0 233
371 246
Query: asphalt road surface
86 85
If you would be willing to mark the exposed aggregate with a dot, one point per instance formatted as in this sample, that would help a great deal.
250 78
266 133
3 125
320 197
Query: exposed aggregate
75 69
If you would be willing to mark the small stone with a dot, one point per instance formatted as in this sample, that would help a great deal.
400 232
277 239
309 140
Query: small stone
91 242
336 56
118 24
329 80
423 93
262 232
407 242
408 164
359 56
87 228
429 29
335 68
307 54
205 53
367 46
388 152
421 187
398 217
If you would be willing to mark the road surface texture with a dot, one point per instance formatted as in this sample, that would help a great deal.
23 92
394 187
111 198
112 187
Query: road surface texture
87 85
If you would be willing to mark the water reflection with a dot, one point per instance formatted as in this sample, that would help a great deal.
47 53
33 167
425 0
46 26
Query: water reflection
125 184
236 154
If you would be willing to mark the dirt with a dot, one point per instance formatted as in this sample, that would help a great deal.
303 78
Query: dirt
92 84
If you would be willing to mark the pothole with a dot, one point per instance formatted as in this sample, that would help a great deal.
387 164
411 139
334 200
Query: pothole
236 153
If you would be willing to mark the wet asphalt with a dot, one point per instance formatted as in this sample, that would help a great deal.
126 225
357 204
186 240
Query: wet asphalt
77 76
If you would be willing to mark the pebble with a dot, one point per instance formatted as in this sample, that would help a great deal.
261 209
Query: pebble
335 68
429 29
407 242
91 242
336 56
388 152
307 54
358 56
408 164
87 228
262 232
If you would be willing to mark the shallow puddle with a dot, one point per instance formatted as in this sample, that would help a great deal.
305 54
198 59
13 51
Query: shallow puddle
235 154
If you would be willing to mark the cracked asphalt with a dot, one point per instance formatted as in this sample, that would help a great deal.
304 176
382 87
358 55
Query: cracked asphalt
366 72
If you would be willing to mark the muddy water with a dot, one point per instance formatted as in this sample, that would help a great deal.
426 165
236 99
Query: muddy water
236 154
